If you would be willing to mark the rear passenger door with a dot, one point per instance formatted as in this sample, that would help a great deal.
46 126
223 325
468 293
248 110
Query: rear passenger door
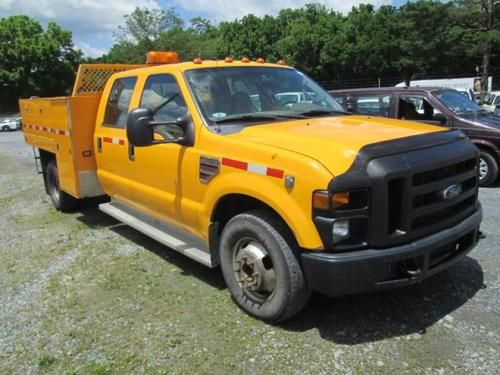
111 139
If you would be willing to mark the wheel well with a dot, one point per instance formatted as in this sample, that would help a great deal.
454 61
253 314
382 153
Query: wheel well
486 148
228 207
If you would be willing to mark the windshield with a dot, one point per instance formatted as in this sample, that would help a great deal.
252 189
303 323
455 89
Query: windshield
457 103
257 94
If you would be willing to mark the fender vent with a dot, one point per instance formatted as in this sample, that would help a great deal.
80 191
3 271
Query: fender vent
209 168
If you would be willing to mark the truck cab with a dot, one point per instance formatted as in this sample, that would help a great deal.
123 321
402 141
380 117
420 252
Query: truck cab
285 198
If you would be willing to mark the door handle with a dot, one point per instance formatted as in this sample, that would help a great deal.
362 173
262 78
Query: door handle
99 144
131 152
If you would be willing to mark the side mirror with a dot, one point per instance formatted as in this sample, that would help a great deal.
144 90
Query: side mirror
140 130
441 118
141 124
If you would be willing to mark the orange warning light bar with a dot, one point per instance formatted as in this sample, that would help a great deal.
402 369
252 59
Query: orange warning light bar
160 57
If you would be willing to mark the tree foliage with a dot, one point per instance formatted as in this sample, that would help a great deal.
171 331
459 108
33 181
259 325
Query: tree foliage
34 61
423 37
419 38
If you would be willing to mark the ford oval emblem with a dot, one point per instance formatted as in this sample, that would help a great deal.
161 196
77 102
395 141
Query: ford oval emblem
451 192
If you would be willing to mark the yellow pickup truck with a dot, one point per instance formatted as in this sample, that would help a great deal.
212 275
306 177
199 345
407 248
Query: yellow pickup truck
206 158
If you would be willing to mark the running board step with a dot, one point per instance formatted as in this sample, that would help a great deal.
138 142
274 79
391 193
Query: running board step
151 228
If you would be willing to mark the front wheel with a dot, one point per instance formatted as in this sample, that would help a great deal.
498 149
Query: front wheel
61 200
488 168
260 268
5 128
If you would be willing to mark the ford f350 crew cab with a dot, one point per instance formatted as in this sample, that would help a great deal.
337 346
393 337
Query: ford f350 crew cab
204 158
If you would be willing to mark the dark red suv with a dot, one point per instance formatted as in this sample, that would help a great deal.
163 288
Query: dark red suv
438 106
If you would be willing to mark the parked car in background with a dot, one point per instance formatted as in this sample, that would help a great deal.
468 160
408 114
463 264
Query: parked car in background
438 106
467 93
10 124
491 100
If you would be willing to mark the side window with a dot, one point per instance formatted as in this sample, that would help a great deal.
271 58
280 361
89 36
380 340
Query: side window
163 96
118 102
373 104
415 107
339 99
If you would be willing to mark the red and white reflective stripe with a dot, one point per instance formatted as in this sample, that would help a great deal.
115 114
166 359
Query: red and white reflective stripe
254 168
47 130
115 141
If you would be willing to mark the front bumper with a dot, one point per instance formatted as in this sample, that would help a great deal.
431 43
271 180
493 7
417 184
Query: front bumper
377 269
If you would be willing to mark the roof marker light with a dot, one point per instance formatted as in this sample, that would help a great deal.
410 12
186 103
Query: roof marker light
261 60
245 60
228 59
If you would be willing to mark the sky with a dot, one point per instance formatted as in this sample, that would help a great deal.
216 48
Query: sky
93 22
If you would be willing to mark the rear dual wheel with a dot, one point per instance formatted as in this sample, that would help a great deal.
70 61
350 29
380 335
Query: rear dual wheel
260 267
61 200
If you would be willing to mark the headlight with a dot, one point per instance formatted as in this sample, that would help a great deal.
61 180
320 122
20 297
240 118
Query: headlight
342 218
340 230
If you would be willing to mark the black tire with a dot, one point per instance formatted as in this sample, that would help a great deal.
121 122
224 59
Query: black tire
488 168
5 128
61 200
261 231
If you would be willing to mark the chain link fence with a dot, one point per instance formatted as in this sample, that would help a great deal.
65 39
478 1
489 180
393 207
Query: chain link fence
394 80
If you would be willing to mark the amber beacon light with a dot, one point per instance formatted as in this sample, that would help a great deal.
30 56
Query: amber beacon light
160 57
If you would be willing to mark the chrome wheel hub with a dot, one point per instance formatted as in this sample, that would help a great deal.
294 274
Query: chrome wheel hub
483 169
253 269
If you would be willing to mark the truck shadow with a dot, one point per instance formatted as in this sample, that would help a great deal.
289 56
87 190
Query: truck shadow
346 320
93 218
372 317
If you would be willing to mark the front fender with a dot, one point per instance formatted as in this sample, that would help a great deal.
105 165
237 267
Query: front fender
293 205
484 143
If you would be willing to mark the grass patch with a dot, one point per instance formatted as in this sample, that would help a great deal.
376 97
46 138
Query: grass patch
46 360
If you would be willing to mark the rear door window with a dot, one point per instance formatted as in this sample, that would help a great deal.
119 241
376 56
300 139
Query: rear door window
373 104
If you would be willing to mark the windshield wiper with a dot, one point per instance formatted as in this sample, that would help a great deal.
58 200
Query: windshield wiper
256 117
321 112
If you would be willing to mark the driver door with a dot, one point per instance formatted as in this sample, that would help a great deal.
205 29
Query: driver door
157 183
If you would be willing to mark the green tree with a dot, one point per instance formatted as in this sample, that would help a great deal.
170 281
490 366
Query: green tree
480 21
144 25
34 61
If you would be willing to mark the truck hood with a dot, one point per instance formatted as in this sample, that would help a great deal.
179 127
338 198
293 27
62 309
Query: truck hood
332 141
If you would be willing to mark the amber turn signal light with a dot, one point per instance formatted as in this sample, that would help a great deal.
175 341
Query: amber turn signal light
321 200
340 199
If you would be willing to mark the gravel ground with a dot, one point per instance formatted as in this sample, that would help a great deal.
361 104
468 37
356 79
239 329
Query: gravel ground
83 294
